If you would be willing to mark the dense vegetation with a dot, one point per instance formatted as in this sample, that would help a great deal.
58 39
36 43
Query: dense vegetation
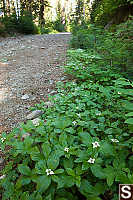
31 17
83 146
111 12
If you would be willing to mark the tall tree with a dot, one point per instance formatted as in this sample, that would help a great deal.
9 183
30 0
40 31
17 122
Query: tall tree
79 13
4 7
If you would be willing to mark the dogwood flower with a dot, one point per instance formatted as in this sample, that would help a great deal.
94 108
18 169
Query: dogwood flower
115 140
2 177
66 149
49 172
91 160
98 113
74 122
3 139
95 144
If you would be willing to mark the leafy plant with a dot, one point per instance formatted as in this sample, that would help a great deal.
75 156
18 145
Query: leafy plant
82 147
115 48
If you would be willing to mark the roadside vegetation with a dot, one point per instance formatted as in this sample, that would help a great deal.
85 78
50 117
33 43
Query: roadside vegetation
83 146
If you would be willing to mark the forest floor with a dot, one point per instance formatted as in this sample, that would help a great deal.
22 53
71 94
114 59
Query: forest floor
29 70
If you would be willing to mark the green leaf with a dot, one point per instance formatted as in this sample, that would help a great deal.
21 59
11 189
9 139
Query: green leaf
100 188
70 130
110 175
78 181
127 105
65 181
85 138
36 155
95 198
70 172
53 161
49 197
68 163
39 197
107 149
46 149
43 182
129 121
130 114
62 123
22 181
122 178
86 188
85 166
59 171
25 170
40 167
98 171
63 139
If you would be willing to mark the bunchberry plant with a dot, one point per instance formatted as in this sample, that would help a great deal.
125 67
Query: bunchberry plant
82 147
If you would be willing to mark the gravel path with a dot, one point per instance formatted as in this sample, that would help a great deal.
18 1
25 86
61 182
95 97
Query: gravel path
28 73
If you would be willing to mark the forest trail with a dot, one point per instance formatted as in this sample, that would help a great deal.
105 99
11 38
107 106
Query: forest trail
29 70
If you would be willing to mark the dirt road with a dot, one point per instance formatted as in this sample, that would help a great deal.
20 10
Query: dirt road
29 70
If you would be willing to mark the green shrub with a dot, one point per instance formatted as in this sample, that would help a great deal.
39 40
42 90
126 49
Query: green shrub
2 29
115 47
26 25
84 37
44 30
23 25
106 11
10 23
83 40
58 26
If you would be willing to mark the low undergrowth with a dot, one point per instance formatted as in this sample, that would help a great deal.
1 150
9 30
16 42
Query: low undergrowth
115 45
82 148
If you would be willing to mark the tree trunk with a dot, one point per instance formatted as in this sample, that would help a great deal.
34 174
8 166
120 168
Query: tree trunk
41 13
4 7
8 7
30 7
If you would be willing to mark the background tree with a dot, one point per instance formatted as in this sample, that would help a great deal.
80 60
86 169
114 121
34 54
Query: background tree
113 12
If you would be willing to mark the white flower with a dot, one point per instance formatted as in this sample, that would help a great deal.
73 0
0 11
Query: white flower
66 149
95 144
3 139
98 113
49 172
2 177
36 121
119 92
91 160
115 140
74 122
